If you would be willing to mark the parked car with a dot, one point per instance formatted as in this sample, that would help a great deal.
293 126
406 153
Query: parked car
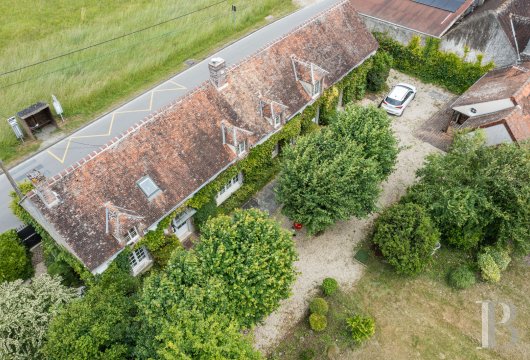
398 99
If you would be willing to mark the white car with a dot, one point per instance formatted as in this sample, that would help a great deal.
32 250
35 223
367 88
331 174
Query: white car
398 99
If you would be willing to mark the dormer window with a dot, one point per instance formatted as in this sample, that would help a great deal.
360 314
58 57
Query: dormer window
241 147
132 236
148 187
277 119
317 88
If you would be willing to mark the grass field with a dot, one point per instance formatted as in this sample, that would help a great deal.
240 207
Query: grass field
90 82
420 318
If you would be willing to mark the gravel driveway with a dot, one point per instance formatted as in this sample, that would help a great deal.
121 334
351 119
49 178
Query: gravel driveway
331 254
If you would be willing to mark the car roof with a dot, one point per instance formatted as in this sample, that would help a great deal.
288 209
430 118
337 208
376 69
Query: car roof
399 92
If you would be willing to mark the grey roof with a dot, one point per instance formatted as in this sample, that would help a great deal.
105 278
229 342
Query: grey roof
32 110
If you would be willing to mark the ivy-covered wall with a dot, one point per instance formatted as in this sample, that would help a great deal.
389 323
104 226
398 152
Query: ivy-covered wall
432 65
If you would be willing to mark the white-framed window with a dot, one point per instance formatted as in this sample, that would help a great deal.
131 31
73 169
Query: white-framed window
277 120
231 187
241 147
317 88
137 257
148 186
132 236
275 150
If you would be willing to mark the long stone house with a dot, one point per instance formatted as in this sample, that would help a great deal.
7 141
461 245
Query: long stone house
112 198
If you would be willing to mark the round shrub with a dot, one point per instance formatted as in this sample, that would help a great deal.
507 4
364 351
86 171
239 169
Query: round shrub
500 256
407 237
361 327
329 286
461 277
318 306
488 268
318 322
14 261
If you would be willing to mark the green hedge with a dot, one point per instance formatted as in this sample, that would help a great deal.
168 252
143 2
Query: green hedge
431 65
14 260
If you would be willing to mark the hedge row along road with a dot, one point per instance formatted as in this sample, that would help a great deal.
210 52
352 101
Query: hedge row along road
79 144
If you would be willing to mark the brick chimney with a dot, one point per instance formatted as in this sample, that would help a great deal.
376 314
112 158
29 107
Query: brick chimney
217 67
48 196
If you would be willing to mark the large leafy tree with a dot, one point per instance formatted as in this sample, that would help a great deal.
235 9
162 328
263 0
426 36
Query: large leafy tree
100 325
237 274
26 310
370 128
334 174
478 195
406 237
14 260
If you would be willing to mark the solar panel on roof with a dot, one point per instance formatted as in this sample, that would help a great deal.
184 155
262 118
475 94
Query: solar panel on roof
447 5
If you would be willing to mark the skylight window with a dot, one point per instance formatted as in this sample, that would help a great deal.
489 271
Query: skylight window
148 186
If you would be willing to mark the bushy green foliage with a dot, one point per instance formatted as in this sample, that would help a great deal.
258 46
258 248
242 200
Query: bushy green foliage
14 259
100 325
241 268
477 194
329 286
68 275
318 306
488 268
371 128
318 322
361 328
26 310
354 84
406 237
325 178
461 277
500 256
200 336
431 65
376 78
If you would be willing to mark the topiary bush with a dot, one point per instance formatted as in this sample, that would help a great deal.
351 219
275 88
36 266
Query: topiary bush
461 277
318 322
361 328
488 268
329 286
318 306
406 237
14 261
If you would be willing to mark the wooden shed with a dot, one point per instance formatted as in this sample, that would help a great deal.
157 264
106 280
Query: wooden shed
35 117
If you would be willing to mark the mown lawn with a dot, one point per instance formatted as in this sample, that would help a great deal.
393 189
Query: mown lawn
91 82
420 318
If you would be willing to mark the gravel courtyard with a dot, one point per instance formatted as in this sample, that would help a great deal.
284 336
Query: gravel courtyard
331 254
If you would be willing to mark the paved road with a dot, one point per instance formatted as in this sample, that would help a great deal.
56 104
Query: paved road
76 146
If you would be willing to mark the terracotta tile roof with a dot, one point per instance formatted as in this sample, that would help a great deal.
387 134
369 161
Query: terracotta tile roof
510 82
181 148
409 14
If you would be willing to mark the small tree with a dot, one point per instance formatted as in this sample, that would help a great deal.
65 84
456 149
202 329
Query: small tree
14 261
376 77
371 128
406 237
197 336
326 178
478 194
241 269
26 310
101 324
